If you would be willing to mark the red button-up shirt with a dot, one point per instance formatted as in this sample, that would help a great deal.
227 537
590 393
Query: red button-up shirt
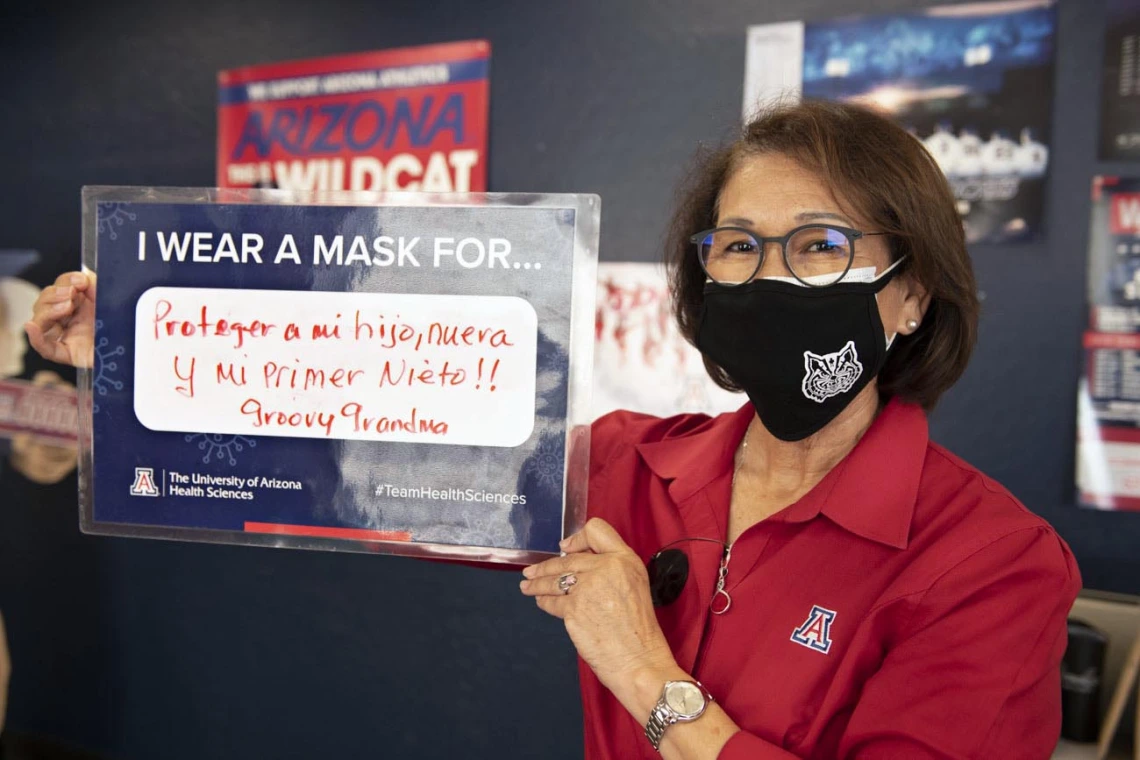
906 607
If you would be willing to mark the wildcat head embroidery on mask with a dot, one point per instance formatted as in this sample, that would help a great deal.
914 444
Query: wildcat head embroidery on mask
831 374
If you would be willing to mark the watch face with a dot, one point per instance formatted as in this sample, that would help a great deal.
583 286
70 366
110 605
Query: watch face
684 698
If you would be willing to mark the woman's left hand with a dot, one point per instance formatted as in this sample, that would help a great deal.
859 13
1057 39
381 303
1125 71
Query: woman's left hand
608 611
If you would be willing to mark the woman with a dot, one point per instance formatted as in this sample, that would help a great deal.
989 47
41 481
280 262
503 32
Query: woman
826 582
864 592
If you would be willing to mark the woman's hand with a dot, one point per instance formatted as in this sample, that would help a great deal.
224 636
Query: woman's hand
62 328
608 612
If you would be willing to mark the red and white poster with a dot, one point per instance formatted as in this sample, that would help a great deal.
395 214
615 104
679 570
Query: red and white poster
410 119
641 361
49 415
1108 402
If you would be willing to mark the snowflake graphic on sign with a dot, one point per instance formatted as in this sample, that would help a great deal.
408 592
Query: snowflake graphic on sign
112 215
546 462
220 447
105 366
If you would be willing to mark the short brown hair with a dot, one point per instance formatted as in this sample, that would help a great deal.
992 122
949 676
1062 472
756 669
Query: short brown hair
891 180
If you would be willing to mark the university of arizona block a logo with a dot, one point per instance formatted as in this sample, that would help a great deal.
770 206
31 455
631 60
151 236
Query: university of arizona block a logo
831 374
144 482
815 633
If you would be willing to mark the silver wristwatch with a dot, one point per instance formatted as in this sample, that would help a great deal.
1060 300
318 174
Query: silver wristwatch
681 702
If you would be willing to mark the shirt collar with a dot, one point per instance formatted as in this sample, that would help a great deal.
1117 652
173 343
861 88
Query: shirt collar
871 492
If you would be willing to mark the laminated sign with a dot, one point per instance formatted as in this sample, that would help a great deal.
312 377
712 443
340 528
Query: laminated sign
401 373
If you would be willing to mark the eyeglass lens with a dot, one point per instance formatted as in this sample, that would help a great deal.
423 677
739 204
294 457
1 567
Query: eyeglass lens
668 572
816 255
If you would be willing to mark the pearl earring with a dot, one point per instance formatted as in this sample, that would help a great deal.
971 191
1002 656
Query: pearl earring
912 324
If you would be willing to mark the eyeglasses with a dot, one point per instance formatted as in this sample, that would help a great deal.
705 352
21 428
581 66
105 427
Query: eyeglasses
817 255
669 571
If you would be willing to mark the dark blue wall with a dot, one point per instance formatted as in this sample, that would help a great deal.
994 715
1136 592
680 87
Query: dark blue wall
147 649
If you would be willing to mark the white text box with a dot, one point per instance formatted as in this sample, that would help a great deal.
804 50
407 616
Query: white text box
364 366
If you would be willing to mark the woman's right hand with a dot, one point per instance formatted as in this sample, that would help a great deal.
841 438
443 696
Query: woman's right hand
62 328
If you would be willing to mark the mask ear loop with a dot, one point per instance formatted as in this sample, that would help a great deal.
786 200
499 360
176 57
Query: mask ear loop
887 271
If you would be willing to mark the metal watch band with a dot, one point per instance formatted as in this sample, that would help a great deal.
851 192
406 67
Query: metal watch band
659 720
662 716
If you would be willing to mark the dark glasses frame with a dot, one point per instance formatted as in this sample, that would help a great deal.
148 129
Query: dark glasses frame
851 234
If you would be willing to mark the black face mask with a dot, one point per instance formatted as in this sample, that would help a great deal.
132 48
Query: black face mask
800 353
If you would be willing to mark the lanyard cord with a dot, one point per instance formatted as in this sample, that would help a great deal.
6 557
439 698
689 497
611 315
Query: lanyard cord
721 600
694 538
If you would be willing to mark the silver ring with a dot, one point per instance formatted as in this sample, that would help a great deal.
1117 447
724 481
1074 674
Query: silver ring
567 581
